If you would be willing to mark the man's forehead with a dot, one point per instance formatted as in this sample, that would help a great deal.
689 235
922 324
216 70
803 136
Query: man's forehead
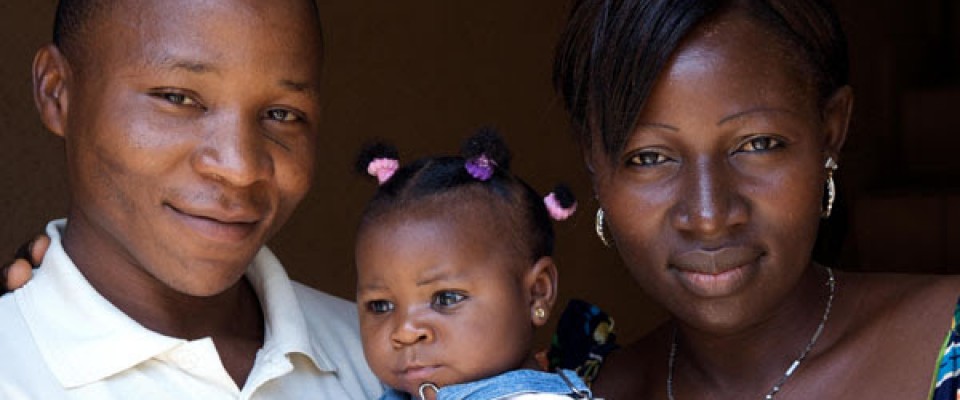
187 34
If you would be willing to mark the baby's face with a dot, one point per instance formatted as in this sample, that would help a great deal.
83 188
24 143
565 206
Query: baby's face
442 298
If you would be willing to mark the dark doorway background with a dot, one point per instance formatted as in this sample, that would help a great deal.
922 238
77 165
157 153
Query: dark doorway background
424 74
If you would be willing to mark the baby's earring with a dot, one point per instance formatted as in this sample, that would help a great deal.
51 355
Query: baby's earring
540 314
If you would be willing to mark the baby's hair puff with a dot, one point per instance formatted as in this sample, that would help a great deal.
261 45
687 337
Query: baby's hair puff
480 173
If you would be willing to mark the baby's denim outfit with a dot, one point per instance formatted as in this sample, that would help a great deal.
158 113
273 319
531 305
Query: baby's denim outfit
505 385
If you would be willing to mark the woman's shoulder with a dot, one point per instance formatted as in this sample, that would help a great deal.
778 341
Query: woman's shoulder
884 293
890 328
636 370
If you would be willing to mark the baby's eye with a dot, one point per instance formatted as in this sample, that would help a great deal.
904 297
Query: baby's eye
379 306
647 159
281 115
447 298
761 143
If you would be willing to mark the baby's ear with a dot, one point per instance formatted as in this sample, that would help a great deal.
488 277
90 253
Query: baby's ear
541 283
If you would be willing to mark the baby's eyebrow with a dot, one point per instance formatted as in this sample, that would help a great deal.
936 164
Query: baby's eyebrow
371 287
434 277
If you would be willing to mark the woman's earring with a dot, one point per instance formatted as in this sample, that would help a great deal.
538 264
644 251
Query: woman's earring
601 232
831 166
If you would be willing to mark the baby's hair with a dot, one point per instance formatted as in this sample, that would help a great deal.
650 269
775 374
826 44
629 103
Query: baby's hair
481 173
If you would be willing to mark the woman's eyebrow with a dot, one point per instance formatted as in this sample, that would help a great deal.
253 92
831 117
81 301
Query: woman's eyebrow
755 110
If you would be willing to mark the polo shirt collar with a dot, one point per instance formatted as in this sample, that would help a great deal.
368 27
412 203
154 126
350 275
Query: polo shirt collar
84 338
285 327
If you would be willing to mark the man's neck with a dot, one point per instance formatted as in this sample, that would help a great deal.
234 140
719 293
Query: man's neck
233 318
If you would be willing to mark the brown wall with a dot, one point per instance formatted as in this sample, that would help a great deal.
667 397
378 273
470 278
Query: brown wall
424 74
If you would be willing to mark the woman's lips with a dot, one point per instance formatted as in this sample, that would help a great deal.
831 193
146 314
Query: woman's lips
716 273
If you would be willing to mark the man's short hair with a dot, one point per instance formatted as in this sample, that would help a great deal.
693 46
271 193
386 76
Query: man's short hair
75 18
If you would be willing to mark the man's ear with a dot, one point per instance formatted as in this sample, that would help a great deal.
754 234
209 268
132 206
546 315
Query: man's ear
541 284
836 120
51 71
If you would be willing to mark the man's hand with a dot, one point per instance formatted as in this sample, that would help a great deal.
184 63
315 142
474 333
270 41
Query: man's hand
16 274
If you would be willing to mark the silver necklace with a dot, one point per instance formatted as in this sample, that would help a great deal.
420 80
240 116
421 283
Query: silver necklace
831 283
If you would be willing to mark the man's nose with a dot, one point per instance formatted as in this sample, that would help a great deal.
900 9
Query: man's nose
234 151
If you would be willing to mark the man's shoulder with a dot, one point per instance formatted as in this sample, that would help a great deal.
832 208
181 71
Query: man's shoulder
328 316
23 372
10 316
325 305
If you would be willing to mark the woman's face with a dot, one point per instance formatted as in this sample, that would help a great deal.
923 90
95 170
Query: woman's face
714 201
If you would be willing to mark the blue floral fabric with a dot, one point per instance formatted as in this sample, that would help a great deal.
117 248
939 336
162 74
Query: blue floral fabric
946 384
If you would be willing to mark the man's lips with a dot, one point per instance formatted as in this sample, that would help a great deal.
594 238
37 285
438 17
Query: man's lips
217 225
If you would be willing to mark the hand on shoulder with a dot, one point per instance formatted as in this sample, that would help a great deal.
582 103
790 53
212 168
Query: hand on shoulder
17 273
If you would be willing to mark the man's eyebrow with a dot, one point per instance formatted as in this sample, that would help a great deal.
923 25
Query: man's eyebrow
170 62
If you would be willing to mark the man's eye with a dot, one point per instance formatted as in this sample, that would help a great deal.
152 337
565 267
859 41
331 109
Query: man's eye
647 159
447 298
379 306
178 98
762 143
282 115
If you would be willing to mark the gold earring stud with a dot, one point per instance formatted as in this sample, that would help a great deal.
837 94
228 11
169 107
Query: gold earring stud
540 313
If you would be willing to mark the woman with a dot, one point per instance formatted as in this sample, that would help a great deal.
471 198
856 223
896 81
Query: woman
712 130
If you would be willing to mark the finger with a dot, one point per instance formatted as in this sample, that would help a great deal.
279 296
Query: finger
23 252
18 274
39 248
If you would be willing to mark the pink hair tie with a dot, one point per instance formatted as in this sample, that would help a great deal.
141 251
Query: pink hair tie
557 211
383 168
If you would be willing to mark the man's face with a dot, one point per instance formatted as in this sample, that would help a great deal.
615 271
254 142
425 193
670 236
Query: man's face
190 136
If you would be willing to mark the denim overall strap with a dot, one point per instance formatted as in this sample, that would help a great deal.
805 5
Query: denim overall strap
517 382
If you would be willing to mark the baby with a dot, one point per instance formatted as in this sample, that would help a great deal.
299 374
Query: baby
454 275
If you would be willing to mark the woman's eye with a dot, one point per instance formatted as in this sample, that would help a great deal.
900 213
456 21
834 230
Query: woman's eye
279 114
762 143
647 159
447 298
379 306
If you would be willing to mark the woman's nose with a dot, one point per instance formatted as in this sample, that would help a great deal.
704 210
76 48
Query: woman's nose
710 203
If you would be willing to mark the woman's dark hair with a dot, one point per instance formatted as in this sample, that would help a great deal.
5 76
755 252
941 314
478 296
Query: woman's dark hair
613 51
448 178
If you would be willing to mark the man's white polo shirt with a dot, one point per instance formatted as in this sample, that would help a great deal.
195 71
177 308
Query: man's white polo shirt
59 339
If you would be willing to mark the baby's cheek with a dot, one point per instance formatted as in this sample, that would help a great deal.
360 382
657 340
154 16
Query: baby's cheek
375 348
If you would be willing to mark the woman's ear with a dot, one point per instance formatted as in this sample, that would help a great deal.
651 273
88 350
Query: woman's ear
51 72
541 284
836 118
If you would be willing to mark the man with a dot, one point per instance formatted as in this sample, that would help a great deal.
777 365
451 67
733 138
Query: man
190 130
